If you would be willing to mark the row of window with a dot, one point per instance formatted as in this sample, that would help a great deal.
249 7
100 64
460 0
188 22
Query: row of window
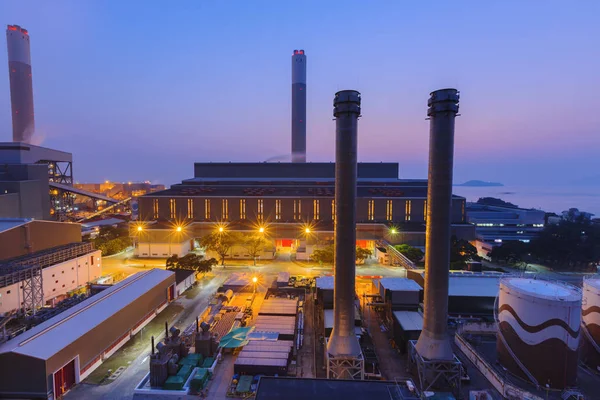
297 214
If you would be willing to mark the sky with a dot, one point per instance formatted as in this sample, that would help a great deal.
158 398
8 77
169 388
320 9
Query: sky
140 89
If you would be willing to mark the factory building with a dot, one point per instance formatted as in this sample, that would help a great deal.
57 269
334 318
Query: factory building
293 201
46 361
42 262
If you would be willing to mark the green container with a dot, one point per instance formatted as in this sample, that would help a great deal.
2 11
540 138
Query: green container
244 384
199 380
208 362
174 383
196 356
185 371
192 359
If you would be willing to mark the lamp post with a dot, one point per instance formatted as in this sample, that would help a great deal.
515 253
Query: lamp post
254 281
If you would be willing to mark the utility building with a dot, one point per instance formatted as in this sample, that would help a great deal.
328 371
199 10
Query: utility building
46 361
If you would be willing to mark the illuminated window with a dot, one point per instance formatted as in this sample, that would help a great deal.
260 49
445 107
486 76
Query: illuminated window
260 209
316 210
389 211
407 210
277 209
333 210
190 211
206 208
224 209
425 210
172 208
371 210
155 208
297 210
242 208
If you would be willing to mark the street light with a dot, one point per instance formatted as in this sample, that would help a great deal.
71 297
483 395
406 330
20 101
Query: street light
139 229
221 229
307 230
178 229
254 280
261 230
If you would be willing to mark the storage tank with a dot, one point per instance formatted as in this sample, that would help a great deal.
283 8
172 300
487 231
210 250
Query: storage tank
538 330
590 312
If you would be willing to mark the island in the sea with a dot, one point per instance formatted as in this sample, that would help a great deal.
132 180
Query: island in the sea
475 183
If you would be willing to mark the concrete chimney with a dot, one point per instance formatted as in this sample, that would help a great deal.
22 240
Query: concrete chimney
433 343
343 342
299 106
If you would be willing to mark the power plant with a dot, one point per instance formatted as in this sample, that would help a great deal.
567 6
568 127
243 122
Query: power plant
345 359
299 106
21 86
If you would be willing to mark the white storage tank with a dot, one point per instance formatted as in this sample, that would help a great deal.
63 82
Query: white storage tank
590 312
539 321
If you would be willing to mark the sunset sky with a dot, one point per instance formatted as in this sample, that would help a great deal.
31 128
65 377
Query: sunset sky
139 90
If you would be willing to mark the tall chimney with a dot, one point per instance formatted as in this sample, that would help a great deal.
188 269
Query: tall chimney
343 342
299 106
433 343
21 84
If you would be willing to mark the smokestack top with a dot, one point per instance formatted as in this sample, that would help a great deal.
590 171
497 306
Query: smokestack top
346 101
443 100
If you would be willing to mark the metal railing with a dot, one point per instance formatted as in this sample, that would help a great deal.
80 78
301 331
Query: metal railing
396 258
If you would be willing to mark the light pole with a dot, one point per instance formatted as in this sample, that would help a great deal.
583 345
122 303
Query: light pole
254 281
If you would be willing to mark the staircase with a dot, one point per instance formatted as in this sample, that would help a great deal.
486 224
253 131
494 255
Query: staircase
396 258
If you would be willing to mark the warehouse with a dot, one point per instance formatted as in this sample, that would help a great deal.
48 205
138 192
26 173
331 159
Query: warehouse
275 306
46 361
284 326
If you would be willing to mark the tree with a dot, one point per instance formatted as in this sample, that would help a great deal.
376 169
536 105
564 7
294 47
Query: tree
362 254
254 245
205 266
512 251
412 253
220 243
324 255
172 262
190 261
461 251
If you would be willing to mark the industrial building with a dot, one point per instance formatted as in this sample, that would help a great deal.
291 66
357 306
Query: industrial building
293 202
46 361
495 224
41 262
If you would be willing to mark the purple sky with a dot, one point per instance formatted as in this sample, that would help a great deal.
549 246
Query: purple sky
139 90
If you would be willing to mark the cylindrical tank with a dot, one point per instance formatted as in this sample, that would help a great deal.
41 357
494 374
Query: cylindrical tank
590 312
343 341
433 343
229 294
540 322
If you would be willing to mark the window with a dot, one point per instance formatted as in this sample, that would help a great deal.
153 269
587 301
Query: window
371 210
425 210
297 210
260 209
388 211
242 208
224 209
190 210
206 208
155 208
172 208
8 292
277 209
407 210
316 210
333 210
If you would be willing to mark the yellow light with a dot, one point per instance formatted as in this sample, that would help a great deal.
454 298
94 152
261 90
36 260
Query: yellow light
105 181
254 279
139 228
178 229
261 230
393 231
221 229
307 230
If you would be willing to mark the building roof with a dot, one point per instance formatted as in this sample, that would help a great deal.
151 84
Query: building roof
10 223
409 320
474 286
25 153
400 284
182 274
270 388
325 282
103 222
53 335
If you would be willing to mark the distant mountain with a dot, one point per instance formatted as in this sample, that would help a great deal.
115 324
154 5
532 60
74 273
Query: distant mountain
475 183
